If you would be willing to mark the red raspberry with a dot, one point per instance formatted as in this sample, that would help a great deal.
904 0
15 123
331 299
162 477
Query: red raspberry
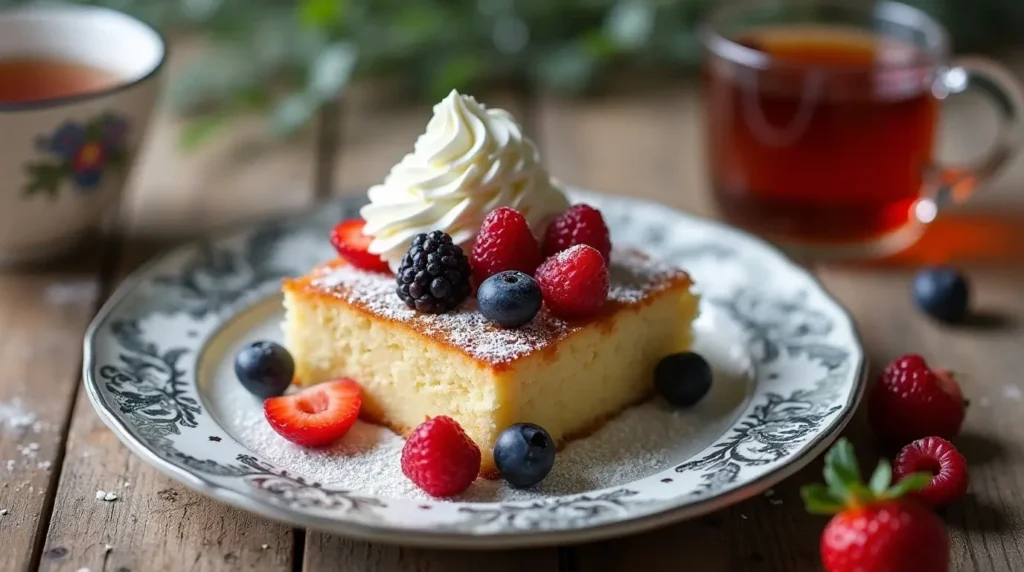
581 224
440 458
911 401
939 458
505 242
574 282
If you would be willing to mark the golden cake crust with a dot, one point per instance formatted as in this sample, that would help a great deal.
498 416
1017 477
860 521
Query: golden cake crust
635 279
343 321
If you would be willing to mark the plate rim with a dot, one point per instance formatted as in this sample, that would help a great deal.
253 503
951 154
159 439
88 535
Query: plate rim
452 539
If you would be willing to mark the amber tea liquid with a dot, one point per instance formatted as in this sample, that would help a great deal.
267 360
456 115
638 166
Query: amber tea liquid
831 143
24 80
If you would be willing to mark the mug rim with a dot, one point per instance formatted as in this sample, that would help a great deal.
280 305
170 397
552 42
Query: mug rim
934 54
60 101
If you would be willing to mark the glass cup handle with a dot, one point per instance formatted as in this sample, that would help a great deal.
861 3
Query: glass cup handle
955 184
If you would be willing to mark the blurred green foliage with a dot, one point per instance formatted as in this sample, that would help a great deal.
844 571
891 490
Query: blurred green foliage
290 57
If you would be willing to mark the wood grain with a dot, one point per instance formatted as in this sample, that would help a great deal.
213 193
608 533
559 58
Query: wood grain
326 552
641 144
984 526
375 135
44 314
156 524
655 153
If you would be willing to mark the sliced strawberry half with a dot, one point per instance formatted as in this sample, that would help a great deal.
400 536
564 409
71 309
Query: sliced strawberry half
317 416
354 246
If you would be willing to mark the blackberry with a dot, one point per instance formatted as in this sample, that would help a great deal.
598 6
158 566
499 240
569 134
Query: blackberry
434 274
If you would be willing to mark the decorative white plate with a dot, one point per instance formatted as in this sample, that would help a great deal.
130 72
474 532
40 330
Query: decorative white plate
789 371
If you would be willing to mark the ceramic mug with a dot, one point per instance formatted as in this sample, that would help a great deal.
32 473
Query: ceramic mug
64 160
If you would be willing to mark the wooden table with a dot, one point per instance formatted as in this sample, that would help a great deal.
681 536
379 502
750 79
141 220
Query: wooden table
644 144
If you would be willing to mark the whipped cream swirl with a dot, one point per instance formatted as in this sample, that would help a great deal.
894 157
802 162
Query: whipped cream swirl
470 161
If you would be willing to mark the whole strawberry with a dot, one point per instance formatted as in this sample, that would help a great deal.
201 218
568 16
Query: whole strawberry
581 224
874 528
440 458
504 242
912 401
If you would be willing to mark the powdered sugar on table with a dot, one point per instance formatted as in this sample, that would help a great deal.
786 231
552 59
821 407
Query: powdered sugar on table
633 278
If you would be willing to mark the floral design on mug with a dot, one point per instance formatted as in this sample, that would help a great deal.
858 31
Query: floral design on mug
81 153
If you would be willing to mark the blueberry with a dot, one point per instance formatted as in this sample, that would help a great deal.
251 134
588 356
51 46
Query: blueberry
683 379
510 298
265 369
942 293
524 454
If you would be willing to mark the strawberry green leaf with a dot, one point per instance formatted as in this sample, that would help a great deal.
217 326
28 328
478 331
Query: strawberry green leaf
841 471
818 499
914 482
881 478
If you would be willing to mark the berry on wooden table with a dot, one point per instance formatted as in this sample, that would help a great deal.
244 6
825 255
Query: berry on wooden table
683 379
316 416
434 274
353 246
264 368
581 224
510 298
874 526
574 282
912 401
942 293
524 454
504 242
940 459
440 458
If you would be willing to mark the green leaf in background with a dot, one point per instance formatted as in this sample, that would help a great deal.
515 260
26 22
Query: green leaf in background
331 71
569 70
202 129
459 72
322 14
308 47
630 23
292 114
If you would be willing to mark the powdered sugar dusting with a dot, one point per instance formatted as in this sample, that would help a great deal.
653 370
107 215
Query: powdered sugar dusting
633 277
14 415
636 444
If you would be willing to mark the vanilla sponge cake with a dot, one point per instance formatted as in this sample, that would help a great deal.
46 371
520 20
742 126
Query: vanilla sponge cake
568 377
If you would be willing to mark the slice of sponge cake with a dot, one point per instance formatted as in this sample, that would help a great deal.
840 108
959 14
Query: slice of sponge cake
568 377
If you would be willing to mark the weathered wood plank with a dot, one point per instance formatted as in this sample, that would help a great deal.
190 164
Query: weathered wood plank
649 146
156 524
986 239
655 153
643 144
326 552
44 314
983 526
376 133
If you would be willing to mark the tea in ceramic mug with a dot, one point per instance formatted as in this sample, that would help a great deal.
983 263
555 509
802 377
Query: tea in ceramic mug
28 79
77 89
821 122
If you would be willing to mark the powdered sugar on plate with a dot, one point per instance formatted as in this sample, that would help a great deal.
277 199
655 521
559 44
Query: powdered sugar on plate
638 443
633 277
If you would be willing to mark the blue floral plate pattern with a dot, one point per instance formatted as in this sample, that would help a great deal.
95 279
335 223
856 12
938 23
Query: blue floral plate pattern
146 374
